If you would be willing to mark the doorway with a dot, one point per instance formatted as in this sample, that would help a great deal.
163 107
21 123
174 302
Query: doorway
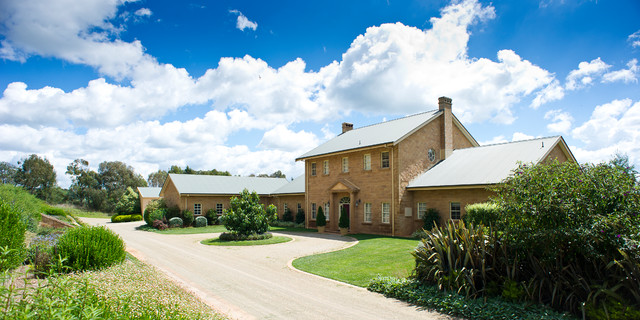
345 203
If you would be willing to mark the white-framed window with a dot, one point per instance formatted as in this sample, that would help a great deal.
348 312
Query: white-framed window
367 161
299 207
384 159
345 164
219 208
284 208
367 212
455 210
325 167
313 168
422 209
313 211
326 211
197 209
386 212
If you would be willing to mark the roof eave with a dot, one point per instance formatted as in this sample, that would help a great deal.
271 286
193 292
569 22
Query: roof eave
460 186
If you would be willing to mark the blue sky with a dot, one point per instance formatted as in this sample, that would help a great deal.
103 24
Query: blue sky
248 86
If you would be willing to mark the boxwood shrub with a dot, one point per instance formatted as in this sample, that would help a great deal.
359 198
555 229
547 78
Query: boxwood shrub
126 218
175 222
90 248
201 222
234 236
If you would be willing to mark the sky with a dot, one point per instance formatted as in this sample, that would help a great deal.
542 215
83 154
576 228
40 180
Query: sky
248 86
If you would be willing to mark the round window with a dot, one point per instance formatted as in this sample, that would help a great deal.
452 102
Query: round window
432 155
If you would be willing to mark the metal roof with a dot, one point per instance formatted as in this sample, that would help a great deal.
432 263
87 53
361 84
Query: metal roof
146 192
295 186
484 165
206 184
376 134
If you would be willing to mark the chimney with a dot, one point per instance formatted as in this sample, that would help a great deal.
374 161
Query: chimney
446 141
347 127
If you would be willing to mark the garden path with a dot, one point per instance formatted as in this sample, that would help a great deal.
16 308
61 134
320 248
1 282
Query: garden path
258 282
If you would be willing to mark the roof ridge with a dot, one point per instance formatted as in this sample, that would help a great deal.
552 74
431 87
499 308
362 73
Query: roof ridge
510 142
396 119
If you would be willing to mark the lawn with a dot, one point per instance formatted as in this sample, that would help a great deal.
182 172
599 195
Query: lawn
290 229
85 214
215 229
272 240
373 255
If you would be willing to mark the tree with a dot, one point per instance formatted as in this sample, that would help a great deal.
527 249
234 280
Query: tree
246 215
278 174
156 179
86 186
37 176
8 173
115 177
129 203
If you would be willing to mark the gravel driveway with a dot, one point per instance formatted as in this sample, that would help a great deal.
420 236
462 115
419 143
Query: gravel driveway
258 282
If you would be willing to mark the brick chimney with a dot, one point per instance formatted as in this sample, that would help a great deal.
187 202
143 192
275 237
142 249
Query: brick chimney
446 141
347 127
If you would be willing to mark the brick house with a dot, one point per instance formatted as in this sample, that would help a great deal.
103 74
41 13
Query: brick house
386 175
146 195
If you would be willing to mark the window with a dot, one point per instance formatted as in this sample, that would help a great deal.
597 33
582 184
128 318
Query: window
345 164
299 207
455 210
422 209
313 169
219 208
326 211
284 208
367 212
384 159
385 212
313 211
367 161
325 167
197 209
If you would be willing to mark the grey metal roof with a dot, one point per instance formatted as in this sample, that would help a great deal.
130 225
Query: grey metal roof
205 184
376 134
149 192
484 165
295 186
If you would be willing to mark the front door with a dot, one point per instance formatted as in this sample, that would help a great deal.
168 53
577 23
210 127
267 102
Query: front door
345 203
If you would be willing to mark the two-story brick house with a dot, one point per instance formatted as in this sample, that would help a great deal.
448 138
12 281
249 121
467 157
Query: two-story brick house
386 175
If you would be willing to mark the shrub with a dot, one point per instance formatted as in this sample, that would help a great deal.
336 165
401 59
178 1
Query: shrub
126 218
55 211
419 234
159 207
187 217
175 222
430 297
12 231
90 248
232 236
41 251
201 222
286 224
24 203
212 216
129 202
321 220
300 216
482 213
430 219
343 222
172 212
160 225
246 215
288 215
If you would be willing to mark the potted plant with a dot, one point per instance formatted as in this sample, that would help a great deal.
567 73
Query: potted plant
343 223
321 221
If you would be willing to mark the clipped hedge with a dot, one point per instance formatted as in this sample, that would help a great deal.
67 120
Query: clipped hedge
457 305
175 222
126 218
90 248
482 213
201 222
233 236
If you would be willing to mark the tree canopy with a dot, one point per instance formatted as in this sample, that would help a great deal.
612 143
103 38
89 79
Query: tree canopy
37 176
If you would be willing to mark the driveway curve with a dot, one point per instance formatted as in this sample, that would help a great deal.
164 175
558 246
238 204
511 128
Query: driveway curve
255 282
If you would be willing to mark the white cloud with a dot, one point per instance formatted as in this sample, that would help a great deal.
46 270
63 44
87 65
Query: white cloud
281 138
519 136
624 75
634 39
143 12
494 140
561 121
583 76
243 22
553 91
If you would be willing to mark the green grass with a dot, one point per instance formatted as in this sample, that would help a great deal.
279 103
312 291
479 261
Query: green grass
272 240
357 265
189 230
85 214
